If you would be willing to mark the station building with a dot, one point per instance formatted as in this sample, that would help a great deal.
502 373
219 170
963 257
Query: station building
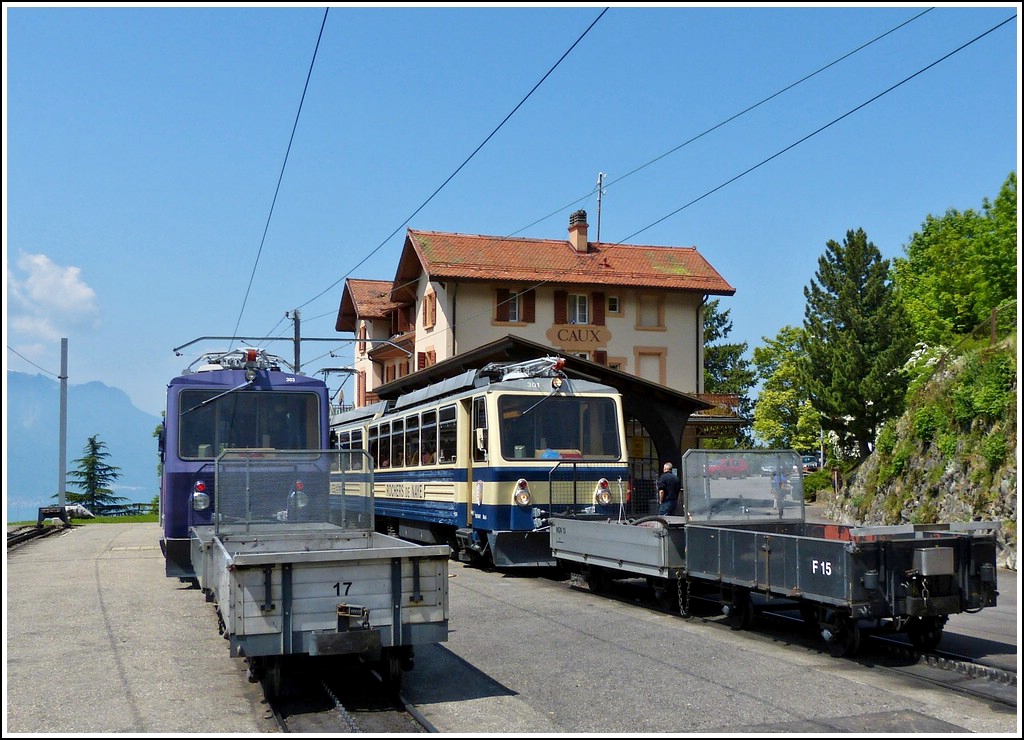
630 316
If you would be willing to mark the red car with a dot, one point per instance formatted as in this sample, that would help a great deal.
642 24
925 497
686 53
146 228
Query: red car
728 467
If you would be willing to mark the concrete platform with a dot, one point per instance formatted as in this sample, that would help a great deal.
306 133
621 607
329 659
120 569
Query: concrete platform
98 639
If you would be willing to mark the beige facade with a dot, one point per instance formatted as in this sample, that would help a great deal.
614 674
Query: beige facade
634 309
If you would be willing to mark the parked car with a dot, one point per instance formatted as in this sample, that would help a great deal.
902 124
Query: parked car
729 467
810 463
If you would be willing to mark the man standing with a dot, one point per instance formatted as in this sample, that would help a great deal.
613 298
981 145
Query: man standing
668 491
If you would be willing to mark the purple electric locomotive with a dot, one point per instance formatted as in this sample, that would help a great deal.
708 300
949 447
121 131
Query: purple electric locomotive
239 399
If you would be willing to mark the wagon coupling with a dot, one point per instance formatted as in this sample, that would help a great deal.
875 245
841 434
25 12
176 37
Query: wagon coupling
350 615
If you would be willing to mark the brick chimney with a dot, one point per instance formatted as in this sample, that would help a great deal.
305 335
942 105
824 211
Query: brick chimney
578 231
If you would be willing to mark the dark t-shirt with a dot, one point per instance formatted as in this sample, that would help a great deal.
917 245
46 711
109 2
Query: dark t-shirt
669 483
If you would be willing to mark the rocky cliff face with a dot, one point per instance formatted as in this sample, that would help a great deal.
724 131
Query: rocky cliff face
940 463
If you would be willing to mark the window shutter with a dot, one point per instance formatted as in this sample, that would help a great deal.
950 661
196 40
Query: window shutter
431 358
529 307
601 357
561 307
598 300
501 297
421 360
429 310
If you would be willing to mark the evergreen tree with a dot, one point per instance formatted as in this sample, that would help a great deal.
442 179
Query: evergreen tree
725 369
93 477
856 340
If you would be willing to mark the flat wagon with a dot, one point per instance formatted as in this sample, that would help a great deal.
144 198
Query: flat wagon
747 536
301 571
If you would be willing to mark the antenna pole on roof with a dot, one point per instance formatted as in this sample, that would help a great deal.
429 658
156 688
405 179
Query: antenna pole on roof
600 190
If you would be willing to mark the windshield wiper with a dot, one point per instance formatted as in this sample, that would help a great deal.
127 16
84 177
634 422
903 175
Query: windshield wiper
214 398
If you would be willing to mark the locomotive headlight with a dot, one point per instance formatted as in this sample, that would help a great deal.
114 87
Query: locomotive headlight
200 498
556 383
602 493
522 495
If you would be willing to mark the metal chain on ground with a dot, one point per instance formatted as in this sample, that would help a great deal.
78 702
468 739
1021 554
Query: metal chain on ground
348 718
684 607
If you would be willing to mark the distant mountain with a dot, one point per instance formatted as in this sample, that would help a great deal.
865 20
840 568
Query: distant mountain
32 441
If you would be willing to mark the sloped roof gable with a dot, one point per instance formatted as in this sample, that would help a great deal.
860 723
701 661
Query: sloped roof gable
367 299
448 256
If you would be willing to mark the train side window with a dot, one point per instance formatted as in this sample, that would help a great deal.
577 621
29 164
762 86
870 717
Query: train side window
397 443
448 436
428 438
412 440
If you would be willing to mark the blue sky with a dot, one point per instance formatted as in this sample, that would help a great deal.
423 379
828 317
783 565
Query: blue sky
143 147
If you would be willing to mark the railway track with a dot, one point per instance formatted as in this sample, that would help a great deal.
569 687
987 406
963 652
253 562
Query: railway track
21 535
955 673
342 696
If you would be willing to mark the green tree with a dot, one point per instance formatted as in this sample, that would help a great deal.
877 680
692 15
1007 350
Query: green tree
93 477
783 414
959 267
856 340
726 371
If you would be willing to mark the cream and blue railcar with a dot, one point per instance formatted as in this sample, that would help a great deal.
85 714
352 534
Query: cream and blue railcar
481 461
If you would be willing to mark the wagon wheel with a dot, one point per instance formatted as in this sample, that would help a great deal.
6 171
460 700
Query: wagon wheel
842 636
391 669
597 580
740 612
925 632
666 594
272 678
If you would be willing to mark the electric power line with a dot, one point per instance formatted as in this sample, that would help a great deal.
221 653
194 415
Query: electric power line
280 177
449 178
652 161
11 349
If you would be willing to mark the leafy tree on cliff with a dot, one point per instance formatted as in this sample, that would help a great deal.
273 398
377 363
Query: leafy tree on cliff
93 477
856 340
959 267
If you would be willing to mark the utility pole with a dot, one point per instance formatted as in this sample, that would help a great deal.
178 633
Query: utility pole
600 189
298 341
62 467
295 317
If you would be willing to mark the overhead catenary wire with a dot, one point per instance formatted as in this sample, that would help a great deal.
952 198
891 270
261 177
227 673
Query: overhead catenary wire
635 170
280 176
731 118
449 178
465 162
853 110
745 172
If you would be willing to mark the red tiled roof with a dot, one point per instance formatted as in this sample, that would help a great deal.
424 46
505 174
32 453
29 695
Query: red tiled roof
369 299
446 256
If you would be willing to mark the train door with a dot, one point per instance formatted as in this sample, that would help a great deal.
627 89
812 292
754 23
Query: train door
477 456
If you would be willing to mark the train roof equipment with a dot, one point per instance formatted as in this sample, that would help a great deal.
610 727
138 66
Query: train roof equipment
494 372
247 358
